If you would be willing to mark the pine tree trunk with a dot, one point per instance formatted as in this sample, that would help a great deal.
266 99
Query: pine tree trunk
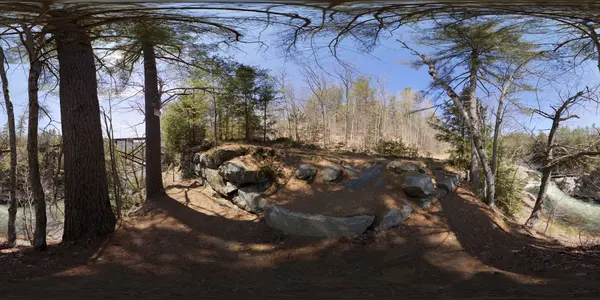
475 134
12 135
247 119
39 201
472 111
265 123
87 207
154 183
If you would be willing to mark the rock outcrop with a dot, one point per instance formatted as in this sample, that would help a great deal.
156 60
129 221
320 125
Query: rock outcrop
315 225
566 184
212 159
249 198
236 172
417 185
216 182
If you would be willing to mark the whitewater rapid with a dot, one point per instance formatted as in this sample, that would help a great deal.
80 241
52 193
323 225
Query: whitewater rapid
584 215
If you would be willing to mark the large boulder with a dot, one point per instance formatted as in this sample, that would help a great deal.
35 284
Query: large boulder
305 172
212 159
331 174
371 175
249 198
217 183
237 172
449 184
418 185
395 217
315 225
401 167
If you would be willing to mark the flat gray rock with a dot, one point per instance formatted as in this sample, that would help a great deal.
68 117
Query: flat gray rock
331 174
236 172
418 185
315 225
395 217
401 167
217 183
305 172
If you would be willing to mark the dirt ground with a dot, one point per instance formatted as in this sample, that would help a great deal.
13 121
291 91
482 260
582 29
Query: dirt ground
188 246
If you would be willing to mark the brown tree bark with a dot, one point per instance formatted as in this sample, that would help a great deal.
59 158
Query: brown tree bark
462 109
87 207
546 173
10 114
154 183
471 104
39 201
536 213
498 124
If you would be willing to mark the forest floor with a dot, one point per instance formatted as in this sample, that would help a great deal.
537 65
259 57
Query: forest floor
186 245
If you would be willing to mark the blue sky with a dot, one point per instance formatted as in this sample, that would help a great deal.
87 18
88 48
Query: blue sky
385 61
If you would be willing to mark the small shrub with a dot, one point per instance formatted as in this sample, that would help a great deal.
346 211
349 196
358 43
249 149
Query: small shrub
272 169
396 148
509 190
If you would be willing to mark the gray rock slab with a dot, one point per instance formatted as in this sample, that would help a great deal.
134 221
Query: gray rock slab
395 217
315 225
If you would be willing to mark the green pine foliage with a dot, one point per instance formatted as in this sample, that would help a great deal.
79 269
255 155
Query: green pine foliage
184 122
452 129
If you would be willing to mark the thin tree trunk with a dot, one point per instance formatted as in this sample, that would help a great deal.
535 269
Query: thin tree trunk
539 202
472 112
324 114
10 114
39 201
265 122
352 121
87 206
154 182
113 164
497 127
546 174
216 120
247 118
55 179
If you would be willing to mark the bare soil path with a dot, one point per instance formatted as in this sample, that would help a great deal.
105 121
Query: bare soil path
188 246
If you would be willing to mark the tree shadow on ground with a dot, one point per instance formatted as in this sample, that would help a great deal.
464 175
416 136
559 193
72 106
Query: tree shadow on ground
177 251
505 245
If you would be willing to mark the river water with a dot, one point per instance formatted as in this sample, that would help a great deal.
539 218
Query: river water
54 216
582 214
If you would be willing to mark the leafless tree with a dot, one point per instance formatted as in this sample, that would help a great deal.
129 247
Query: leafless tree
10 113
561 112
